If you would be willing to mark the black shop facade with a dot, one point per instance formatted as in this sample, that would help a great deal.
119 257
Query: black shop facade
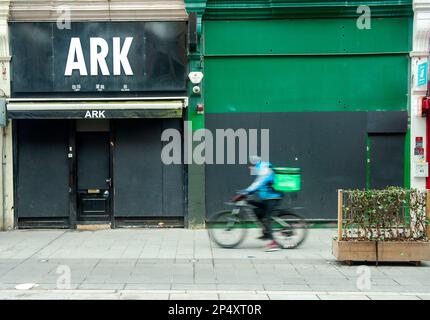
88 108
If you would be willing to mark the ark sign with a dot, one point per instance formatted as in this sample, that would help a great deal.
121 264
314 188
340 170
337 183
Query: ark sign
99 50
95 114
99 58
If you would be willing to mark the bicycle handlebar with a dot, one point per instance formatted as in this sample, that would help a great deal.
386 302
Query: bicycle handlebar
238 197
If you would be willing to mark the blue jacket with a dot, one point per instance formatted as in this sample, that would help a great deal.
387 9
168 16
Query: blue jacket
264 181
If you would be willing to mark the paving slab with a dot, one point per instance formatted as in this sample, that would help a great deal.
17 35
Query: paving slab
168 259
240 287
148 286
393 297
342 297
243 296
182 286
196 296
144 296
293 297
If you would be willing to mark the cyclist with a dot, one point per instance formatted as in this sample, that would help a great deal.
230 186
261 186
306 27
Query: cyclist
268 198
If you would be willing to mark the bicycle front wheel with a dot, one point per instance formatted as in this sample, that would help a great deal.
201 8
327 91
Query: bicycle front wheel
289 229
227 229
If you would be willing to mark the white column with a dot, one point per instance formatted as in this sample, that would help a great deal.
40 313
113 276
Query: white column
6 154
419 55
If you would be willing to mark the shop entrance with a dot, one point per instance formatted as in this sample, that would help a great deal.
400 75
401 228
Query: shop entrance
77 172
93 180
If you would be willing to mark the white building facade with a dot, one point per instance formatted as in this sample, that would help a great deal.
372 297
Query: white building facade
419 70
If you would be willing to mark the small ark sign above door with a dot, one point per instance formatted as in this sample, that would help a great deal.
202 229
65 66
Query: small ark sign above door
95 114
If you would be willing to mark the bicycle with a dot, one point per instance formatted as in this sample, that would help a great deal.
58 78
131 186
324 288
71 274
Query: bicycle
289 229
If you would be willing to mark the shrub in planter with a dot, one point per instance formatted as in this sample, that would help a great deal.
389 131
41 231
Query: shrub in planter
384 225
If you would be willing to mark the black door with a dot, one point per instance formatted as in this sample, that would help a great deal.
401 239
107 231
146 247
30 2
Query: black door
386 160
42 179
93 176
145 187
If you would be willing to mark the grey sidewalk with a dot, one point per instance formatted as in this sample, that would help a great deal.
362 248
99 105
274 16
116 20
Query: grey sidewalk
183 264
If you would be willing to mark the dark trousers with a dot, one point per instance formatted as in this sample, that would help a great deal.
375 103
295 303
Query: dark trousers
263 211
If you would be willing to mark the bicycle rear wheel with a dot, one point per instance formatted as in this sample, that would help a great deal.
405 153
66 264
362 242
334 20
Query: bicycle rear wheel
289 229
227 229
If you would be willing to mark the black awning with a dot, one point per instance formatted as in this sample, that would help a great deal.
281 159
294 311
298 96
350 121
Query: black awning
95 109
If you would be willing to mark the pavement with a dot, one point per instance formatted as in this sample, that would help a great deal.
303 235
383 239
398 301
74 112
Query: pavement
179 264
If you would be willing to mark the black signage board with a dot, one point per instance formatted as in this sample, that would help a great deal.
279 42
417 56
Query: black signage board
98 58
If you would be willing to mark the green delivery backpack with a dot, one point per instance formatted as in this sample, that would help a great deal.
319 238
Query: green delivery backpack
287 179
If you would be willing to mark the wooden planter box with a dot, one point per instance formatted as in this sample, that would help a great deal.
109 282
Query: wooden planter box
381 251
394 251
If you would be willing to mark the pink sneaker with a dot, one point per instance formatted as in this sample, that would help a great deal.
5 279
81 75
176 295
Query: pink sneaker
272 246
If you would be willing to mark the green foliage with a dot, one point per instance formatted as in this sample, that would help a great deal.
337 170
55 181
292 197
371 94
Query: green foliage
392 214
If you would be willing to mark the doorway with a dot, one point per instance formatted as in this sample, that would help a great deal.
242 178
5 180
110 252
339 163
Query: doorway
93 178
386 160
41 170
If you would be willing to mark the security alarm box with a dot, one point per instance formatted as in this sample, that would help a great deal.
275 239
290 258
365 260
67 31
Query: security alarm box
421 169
